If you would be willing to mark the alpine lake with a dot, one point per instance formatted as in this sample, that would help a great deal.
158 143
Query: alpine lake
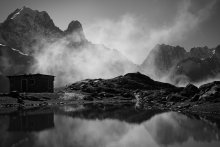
106 125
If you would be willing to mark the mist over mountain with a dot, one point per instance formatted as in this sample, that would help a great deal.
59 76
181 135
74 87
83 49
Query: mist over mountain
175 65
66 54
161 59
201 69
30 42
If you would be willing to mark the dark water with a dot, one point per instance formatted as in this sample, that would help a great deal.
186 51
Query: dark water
106 126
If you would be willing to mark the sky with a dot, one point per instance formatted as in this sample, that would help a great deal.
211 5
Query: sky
133 26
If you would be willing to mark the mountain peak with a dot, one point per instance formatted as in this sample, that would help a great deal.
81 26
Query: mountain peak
22 26
25 13
20 12
74 25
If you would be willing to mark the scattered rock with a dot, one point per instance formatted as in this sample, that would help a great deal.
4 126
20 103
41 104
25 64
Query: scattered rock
211 94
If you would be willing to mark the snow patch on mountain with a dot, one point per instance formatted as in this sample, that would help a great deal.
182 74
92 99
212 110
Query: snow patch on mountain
16 50
2 44
19 52
16 14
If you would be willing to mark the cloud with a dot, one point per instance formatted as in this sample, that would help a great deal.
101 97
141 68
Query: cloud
135 38
71 60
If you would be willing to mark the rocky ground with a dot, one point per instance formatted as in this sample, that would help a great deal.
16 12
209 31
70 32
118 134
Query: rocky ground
133 87
149 93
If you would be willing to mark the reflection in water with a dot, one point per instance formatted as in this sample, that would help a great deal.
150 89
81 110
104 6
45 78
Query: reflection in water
17 129
172 127
123 112
161 130
31 122
86 128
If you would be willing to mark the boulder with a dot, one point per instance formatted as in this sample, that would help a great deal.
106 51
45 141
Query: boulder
212 94
190 90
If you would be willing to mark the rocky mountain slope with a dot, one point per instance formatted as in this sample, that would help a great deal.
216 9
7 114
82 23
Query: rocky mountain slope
162 58
147 92
33 34
180 66
122 86
32 37
24 28
12 61
197 69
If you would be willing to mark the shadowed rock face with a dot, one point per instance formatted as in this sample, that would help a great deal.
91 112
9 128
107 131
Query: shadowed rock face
162 58
201 52
12 61
210 92
196 69
189 91
33 33
25 28
180 66
10 57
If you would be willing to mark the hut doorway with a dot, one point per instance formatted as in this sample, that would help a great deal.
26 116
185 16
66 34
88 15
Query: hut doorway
24 84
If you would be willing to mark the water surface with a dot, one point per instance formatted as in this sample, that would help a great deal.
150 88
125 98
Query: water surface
98 125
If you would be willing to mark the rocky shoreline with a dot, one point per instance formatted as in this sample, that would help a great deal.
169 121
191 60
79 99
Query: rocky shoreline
137 88
149 93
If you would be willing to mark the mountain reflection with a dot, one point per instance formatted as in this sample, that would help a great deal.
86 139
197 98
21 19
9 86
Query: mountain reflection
28 123
19 128
108 126
124 112
163 129
172 127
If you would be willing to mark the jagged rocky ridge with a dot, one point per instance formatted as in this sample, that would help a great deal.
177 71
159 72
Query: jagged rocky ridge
147 92
27 32
24 29
180 66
